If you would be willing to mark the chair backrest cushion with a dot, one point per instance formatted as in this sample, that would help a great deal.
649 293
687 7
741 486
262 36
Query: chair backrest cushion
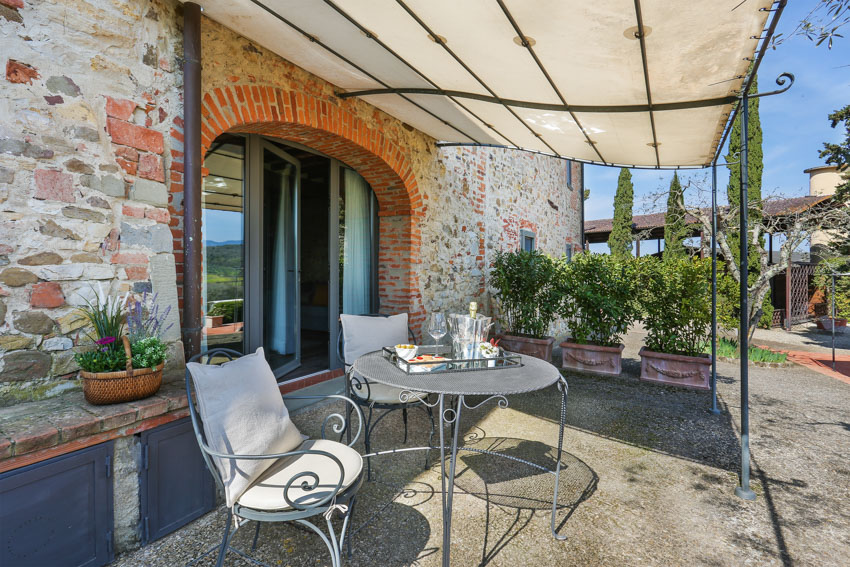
362 334
243 413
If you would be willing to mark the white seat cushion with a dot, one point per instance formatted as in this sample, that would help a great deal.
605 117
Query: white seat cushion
267 492
383 394
242 413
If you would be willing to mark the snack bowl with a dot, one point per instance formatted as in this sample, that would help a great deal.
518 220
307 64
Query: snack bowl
405 351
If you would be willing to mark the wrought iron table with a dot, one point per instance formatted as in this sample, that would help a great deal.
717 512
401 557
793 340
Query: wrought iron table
496 384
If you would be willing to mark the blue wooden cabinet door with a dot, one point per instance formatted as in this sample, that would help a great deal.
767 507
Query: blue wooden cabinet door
176 486
58 512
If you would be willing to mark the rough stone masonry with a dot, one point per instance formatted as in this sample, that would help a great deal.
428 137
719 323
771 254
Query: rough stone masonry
91 159
83 163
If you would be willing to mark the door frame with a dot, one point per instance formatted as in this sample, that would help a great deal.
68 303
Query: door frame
254 245
255 248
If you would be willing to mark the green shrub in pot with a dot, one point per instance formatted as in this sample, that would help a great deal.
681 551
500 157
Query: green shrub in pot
675 297
599 305
599 298
529 296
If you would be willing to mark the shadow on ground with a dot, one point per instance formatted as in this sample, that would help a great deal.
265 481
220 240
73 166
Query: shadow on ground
658 418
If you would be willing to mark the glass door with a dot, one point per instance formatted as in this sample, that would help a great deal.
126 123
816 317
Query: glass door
282 269
273 264
222 225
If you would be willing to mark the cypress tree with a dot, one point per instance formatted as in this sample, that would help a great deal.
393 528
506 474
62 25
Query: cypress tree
755 167
620 239
675 229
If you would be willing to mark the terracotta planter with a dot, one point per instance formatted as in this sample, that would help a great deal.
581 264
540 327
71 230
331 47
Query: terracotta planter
675 369
538 348
213 321
825 323
593 358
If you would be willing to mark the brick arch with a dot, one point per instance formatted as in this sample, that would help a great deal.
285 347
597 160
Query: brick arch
333 130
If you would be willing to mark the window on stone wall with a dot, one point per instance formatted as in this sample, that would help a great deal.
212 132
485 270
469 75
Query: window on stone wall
569 252
570 174
527 240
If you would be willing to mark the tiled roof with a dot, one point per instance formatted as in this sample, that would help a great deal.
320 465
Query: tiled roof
656 220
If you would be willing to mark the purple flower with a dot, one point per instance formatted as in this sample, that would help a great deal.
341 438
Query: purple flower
105 341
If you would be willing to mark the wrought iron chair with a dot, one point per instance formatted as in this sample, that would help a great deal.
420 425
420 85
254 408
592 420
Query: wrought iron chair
372 396
314 479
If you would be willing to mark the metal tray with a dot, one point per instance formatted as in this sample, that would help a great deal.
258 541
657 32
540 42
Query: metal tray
501 362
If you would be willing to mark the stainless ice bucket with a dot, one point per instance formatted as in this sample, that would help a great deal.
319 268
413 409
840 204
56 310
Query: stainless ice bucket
467 332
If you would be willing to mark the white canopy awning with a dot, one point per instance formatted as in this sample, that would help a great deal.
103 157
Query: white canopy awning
603 81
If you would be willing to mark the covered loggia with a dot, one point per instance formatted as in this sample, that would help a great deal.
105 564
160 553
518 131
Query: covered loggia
613 83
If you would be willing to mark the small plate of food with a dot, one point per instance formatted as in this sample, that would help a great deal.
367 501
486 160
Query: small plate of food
418 366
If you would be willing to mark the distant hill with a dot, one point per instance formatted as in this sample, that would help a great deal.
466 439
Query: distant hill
221 242
224 270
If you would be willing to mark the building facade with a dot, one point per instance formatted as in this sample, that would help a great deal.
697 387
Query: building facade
92 159
91 197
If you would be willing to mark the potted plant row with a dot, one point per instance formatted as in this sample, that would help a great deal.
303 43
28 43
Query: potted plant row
123 368
677 317
599 305
529 295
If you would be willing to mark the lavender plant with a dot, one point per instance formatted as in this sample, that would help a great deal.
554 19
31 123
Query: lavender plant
145 327
144 319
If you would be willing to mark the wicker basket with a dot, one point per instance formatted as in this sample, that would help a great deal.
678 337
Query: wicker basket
102 388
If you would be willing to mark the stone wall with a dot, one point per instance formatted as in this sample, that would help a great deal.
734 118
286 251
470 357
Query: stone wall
89 89
91 182
478 204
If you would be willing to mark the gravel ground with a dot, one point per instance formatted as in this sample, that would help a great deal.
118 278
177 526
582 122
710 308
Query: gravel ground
648 480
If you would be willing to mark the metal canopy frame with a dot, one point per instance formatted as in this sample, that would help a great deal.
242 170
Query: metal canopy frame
650 108
785 81
589 109
741 101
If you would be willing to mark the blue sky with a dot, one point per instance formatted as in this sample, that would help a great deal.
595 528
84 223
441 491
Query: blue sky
794 124
221 225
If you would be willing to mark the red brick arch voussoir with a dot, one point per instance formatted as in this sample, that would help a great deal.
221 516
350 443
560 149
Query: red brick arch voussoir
335 131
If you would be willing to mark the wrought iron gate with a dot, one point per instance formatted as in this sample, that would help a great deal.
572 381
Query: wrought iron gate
799 292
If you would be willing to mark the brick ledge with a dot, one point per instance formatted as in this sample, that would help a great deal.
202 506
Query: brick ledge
37 431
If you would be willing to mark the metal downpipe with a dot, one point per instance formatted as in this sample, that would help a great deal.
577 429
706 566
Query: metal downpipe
191 331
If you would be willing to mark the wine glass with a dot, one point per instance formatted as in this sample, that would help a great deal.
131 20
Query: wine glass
437 327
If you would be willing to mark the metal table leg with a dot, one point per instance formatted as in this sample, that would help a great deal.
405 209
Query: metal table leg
562 386
448 493
449 416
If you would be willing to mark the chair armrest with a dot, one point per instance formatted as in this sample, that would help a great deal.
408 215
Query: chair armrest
338 427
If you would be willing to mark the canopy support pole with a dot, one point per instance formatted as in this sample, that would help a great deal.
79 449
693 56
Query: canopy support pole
714 408
743 490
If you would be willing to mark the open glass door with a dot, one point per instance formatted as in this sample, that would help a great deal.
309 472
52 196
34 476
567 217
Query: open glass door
281 265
